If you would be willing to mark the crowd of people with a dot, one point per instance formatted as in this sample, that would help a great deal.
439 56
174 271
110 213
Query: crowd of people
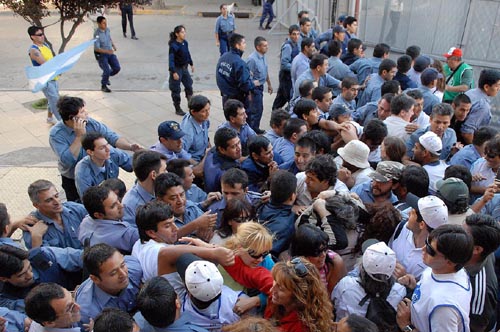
371 204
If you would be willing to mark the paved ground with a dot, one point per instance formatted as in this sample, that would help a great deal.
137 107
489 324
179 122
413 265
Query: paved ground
138 102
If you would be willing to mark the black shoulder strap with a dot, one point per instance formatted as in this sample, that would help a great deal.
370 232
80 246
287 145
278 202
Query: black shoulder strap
453 73
399 229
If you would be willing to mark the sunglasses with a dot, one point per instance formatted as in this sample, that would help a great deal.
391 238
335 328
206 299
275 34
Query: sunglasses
252 254
319 251
491 155
241 219
300 269
429 249
38 34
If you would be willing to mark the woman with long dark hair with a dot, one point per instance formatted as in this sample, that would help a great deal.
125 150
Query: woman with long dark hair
178 60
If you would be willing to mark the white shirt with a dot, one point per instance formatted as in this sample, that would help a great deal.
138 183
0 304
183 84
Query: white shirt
396 127
480 166
361 175
423 120
459 219
406 253
441 302
348 293
436 173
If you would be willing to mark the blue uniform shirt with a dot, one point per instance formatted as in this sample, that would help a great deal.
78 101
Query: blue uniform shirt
171 155
191 213
338 69
118 234
135 197
341 101
196 140
285 148
466 156
325 80
62 136
88 174
449 139
480 111
103 39
195 194
430 99
178 55
225 24
365 113
216 164
257 64
364 67
14 320
372 91
72 215
289 50
92 300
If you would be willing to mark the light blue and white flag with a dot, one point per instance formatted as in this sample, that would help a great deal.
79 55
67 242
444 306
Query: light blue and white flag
38 76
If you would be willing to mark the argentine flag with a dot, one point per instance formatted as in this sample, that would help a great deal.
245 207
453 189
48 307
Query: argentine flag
38 76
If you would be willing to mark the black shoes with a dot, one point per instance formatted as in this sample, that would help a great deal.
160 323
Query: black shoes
104 88
179 111
134 38
124 35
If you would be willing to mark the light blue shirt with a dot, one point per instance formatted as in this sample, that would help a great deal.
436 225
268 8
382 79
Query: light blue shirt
14 320
257 64
466 156
372 91
72 215
195 194
492 208
135 197
271 136
366 113
191 213
341 101
286 55
88 174
171 155
364 67
285 148
299 65
103 39
61 137
223 24
430 99
183 324
325 80
449 139
480 112
92 299
196 140
338 69
364 191
118 234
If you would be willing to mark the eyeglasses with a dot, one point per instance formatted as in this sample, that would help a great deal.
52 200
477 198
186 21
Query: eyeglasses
429 249
252 254
300 269
319 251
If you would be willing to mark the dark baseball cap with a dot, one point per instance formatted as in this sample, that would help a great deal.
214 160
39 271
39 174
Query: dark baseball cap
170 129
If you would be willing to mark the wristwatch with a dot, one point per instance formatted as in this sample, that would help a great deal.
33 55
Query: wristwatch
408 328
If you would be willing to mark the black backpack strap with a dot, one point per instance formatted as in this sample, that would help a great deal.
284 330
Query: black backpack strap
399 229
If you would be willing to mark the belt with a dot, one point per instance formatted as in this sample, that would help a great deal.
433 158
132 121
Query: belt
226 33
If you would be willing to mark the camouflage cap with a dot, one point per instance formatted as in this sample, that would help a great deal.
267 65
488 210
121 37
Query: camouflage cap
387 170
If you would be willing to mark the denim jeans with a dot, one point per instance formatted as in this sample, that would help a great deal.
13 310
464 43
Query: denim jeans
51 92
127 12
267 10
109 65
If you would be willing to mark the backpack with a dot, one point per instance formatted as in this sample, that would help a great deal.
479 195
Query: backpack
381 312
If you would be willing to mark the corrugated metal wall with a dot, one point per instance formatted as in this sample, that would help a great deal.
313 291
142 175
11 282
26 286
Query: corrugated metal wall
437 25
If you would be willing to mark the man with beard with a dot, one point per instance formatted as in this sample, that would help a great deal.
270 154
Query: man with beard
385 180
114 281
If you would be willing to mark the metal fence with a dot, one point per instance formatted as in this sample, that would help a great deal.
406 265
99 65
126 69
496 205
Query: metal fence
437 25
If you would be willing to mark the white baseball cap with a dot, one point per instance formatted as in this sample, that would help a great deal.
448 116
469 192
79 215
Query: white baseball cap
431 142
379 259
203 280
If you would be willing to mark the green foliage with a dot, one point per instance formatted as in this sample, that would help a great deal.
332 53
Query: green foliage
71 13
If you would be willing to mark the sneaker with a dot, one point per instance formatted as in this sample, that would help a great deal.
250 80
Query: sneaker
52 120
179 111
105 89
134 38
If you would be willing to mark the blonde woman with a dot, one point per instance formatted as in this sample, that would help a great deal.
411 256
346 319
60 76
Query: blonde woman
251 244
